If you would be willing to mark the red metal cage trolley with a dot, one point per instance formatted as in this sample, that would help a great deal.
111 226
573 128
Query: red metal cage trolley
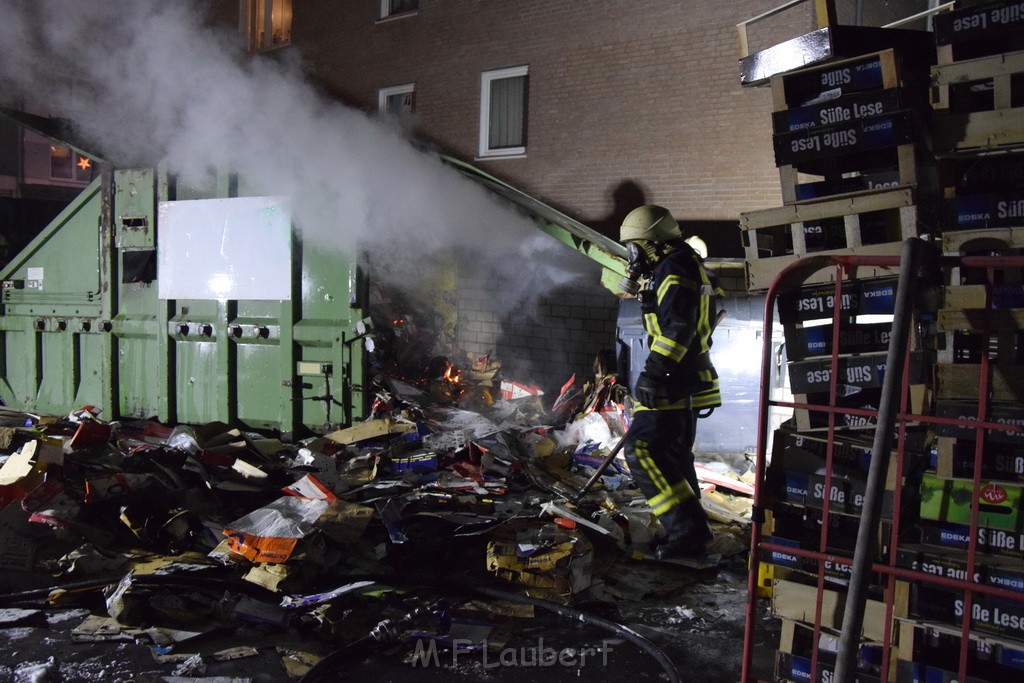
878 548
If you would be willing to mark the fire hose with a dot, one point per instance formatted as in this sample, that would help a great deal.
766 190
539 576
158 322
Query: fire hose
387 631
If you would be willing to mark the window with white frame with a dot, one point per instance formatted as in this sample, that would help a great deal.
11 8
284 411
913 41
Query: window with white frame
390 8
503 101
399 100
267 24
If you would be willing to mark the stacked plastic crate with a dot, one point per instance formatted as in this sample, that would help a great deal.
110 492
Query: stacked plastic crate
816 479
851 146
972 499
858 177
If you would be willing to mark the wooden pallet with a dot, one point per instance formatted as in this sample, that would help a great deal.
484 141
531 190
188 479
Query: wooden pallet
959 381
870 224
862 371
966 311
947 637
761 273
799 305
796 644
955 458
951 319
999 130
993 208
816 421
972 175
798 602
993 82
900 167
814 341
1000 240
830 224
996 618
859 146
979 104
963 344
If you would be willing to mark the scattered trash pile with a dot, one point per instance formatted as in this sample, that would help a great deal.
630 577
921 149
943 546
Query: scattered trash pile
428 518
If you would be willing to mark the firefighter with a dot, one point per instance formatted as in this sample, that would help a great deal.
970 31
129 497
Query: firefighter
678 299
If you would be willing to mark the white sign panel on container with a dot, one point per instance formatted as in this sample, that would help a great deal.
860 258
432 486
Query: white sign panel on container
236 248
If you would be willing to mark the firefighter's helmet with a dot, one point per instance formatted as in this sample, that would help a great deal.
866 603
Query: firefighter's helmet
649 222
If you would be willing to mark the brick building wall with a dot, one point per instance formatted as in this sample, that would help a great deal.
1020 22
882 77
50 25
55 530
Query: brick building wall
629 103
640 99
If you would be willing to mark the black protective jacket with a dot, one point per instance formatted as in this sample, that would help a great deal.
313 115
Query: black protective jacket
680 309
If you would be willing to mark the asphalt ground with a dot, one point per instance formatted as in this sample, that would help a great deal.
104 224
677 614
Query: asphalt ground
697 622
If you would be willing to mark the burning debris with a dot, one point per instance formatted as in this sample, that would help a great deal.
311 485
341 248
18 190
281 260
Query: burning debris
459 482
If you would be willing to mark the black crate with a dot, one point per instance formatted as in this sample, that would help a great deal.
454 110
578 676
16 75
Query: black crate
858 298
846 147
1003 209
809 342
981 29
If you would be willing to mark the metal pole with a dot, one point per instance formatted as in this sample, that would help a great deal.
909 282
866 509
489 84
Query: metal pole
864 552
600 470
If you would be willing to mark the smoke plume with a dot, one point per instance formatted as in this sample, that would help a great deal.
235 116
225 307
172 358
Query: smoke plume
148 82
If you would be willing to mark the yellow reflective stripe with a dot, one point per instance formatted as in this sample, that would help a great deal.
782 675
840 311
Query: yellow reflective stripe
680 492
668 347
663 289
661 344
671 280
708 398
655 475
651 325
704 314
704 325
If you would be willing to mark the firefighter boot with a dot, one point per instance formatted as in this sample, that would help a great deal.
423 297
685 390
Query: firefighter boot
688 532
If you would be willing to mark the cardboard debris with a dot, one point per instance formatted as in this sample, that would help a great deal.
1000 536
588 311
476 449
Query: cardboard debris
97 628
344 522
425 487
274 577
370 430
233 653
6 437
513 390
551 562
297 663
19 474
270 533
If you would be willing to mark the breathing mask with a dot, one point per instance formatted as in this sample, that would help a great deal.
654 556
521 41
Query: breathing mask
643 256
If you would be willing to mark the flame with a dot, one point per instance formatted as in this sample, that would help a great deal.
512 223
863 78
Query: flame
452 374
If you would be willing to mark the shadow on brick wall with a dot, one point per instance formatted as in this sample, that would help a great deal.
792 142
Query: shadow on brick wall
722 237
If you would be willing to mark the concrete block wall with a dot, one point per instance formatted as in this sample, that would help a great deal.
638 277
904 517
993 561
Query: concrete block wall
561 334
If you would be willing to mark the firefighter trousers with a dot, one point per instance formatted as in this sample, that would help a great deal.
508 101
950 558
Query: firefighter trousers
659 452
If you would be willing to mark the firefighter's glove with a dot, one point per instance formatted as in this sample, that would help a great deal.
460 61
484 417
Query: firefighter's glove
646 389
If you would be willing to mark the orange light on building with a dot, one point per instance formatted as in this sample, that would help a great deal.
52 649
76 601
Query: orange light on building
84 163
